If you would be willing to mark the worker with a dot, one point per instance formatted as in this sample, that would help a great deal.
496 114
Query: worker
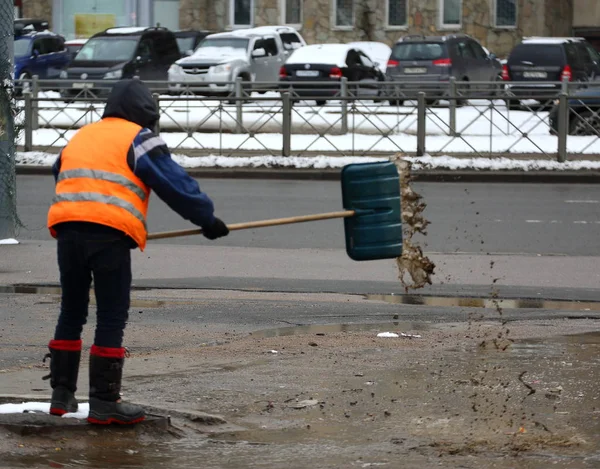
104 176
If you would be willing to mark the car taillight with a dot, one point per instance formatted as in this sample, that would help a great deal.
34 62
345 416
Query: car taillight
567 73
392 63
505 73
282 73
442 62
335 72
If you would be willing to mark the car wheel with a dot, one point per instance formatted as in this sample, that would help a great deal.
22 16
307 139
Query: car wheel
586 123
320 102
396 102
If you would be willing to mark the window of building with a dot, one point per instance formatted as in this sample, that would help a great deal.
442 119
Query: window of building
241 13
397 13
292 12
343 13
450 13
506 13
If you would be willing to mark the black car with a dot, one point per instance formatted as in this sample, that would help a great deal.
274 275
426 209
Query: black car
322 66
426 63
118 53
187 41
537 65
584 113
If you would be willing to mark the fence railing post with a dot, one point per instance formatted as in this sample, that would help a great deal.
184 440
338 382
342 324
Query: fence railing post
286 124
452 107
344 96
421 110
564 86
563 126
239 114
28 146
156 98
35 93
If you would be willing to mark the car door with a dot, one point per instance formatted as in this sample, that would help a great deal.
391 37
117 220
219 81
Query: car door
166 52
369 83
260 63
595 58
471 69
57 57
39 61
589 65
487 69
575 61
144 67
274 59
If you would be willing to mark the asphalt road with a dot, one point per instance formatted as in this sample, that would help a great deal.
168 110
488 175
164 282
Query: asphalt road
471 218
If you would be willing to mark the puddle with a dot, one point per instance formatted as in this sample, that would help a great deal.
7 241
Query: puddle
320 329
489 303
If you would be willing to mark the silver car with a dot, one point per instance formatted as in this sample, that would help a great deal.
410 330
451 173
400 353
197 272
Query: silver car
221 58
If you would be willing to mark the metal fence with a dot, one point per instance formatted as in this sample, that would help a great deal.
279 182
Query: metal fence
354 119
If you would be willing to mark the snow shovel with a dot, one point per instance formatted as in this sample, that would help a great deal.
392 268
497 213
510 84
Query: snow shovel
372 219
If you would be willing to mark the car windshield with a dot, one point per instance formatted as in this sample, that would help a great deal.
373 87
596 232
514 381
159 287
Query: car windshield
108 49
21 47
185 43
537 54
419 51
232 43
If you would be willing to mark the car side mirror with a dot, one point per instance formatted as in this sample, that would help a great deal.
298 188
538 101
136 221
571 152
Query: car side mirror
189 52
260 52
493 56
35 53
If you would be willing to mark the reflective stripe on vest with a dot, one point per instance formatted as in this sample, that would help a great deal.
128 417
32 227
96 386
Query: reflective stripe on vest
102 198
104 176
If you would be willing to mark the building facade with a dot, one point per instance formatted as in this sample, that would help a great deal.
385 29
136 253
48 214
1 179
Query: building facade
497 24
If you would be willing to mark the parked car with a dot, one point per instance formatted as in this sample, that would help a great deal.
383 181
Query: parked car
188 40
118 53
378 51
221 58
426 63
42 54
28 25
584 113
538 64
74 46
322 67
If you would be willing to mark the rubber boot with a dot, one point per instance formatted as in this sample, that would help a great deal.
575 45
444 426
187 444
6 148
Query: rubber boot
106 373
64 367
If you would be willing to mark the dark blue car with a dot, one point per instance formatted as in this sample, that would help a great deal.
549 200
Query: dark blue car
40 53
584 112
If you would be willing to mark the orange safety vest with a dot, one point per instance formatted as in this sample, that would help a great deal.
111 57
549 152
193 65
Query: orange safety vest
95 184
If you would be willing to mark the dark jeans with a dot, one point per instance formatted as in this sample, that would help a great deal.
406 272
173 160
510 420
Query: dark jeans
86 250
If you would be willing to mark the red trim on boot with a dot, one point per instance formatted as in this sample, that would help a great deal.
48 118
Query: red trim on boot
108 352
68 345
57 411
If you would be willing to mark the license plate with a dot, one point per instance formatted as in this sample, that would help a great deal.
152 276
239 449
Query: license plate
415 71
307 73
82 86
535 75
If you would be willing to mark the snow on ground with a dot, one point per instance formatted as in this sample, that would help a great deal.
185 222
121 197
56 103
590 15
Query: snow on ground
332 162
43 407
8 241
372 127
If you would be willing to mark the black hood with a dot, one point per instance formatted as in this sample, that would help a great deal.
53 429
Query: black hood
131 100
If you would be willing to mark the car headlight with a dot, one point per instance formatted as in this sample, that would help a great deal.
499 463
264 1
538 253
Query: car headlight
114 75
221 68
64 74
174 68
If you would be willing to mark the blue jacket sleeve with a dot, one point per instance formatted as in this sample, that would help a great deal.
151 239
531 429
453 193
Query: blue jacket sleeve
151 161
56 168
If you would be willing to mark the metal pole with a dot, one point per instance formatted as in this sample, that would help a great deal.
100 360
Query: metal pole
28 127
563 126
35 93
8 137
344 95
156 98
421 123
239 116
452 108
286 124
564 86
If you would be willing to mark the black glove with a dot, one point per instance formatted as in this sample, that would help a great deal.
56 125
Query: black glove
217 230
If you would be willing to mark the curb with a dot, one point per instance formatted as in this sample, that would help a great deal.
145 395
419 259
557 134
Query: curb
472 176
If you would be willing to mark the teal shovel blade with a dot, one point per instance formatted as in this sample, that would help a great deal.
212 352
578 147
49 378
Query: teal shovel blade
372 190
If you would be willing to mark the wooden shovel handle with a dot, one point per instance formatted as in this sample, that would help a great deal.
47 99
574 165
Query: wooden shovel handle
257 224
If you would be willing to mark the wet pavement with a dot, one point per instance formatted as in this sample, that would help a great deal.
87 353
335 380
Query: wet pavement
482 387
